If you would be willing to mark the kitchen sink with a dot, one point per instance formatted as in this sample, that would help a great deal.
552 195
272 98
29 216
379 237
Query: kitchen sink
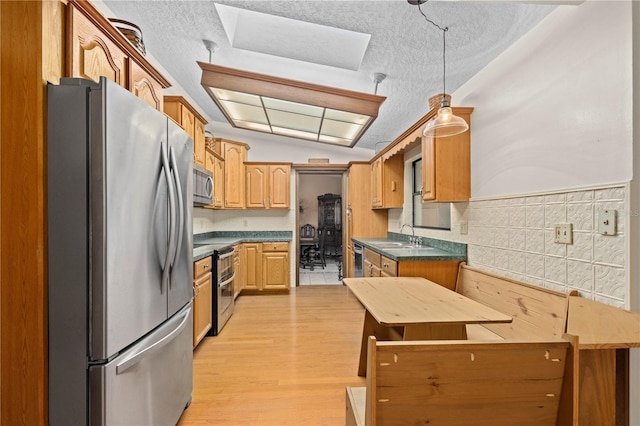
391 244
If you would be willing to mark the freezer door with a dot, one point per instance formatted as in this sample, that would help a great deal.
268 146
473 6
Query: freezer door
181 165
130 190
151 383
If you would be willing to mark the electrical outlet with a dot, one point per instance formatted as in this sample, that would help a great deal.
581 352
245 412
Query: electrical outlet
244 222
563 233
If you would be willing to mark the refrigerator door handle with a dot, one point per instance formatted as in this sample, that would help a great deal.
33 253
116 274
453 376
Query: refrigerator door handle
153 347
172 219
180 223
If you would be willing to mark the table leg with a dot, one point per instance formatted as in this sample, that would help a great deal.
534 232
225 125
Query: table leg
597 393
371 327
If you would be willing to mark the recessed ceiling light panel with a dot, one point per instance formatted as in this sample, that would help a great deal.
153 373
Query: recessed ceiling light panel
291 108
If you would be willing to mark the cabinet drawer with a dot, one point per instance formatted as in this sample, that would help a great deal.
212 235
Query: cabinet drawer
372 257
275 246
202 266
389 267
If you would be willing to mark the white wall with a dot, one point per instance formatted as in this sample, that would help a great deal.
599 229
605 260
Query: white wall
554 111
265 147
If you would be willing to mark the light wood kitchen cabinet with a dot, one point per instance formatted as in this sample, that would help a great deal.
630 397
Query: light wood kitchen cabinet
265 267
267 185
443 272
275 266
252 266
387 182
95 48
371 264
187 117
446 166
215 164
360 219
234 186
202 299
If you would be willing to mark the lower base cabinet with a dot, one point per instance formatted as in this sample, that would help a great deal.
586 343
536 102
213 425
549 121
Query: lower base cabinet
265 267
202 299
443 272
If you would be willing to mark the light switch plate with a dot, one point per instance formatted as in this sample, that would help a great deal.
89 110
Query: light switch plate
607 222
464 228
563 233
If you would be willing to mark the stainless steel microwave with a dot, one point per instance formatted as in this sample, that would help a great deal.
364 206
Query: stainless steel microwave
202 186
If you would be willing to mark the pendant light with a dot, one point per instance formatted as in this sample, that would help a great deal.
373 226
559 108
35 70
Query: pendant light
445 123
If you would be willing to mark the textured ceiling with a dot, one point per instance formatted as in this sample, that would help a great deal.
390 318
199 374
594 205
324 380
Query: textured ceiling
403 46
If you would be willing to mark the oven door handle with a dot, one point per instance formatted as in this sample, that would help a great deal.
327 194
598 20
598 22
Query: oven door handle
224 256
222 284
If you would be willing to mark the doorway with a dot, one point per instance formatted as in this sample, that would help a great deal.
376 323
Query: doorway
319 263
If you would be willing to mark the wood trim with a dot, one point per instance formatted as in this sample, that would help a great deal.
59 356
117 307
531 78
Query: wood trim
36 57
115 36
396 144
183 101
291 90
317 167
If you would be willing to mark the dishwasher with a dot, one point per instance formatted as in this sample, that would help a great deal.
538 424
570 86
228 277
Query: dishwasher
357 260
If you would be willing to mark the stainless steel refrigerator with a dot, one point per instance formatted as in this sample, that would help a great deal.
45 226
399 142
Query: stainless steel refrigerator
120 258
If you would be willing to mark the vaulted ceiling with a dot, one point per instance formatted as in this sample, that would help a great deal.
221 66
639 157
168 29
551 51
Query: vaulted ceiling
401 45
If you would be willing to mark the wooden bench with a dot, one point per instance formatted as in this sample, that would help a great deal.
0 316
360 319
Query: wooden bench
537 312
462 382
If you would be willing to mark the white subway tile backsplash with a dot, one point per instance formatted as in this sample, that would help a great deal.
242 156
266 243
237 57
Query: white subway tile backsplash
514 237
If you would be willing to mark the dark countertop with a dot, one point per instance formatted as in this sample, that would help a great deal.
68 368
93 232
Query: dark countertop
431 249
205 244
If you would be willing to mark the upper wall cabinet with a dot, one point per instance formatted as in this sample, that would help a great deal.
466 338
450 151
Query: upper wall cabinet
387 183
191 121
446 166
268 185
96 48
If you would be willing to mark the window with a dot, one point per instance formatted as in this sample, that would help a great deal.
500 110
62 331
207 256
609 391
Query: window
427 215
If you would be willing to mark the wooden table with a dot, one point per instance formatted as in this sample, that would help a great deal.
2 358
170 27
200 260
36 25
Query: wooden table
605 334
413 308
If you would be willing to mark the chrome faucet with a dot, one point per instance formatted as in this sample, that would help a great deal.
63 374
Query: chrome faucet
410 226
412 239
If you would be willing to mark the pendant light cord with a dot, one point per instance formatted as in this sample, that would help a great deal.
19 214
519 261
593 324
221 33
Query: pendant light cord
444 51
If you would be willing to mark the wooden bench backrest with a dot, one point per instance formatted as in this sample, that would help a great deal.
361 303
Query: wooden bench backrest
538 312
464 382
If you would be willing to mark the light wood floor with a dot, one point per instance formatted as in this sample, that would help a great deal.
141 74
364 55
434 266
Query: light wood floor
280 360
